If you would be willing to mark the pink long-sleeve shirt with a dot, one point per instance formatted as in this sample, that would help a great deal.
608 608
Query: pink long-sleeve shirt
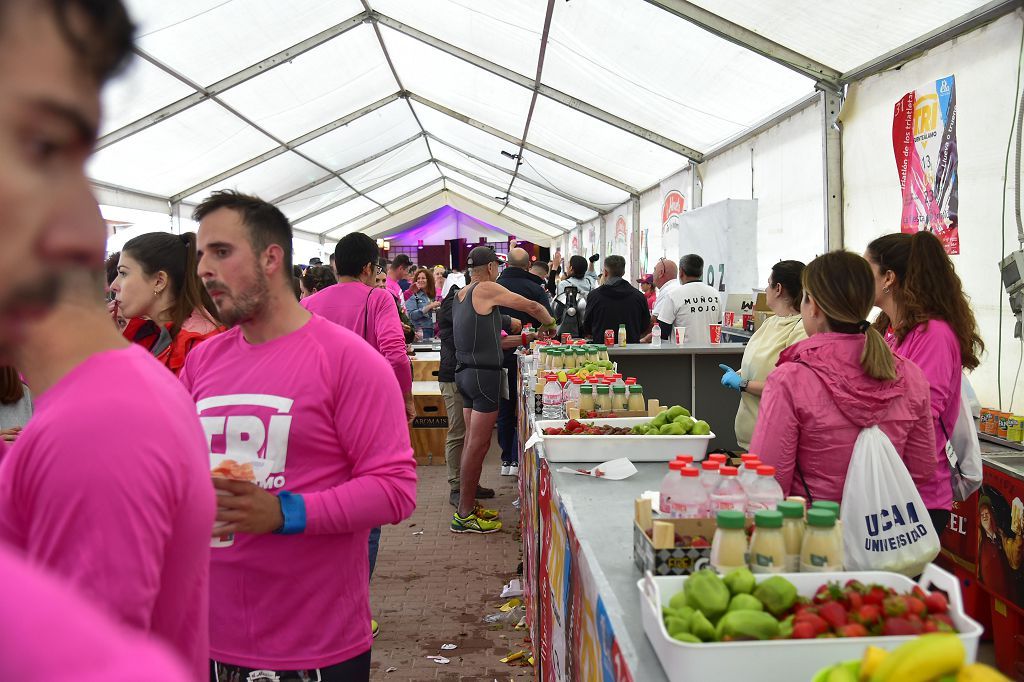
371 313
934 348
52 633
818 400
108 486
324 408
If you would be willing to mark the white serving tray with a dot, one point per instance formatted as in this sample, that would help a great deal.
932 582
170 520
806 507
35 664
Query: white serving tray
791 659
604 448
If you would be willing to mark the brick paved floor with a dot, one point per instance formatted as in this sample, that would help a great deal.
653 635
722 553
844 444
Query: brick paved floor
435 588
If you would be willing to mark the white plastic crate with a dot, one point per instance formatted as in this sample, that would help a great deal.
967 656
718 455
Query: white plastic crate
790 659
604 448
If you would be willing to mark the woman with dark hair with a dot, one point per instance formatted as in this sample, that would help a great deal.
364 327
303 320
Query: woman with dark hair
927 319
840 380
422 304
780 331
15 404
159 292
316 278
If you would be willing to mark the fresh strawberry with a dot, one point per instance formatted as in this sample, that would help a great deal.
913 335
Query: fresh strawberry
867 614
572 424
852 630
854 600
918 592
875 595
898 627
803 630
931 626
801 605
915 620
915 605
894 606
856 586
943 618
817 624
834 614
936 603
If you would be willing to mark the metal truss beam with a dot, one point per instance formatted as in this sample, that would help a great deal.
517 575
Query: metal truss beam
377 185
495 186
393 211
231 81
561 230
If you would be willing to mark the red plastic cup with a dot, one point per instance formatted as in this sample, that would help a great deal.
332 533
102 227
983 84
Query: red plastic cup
716 333
729 318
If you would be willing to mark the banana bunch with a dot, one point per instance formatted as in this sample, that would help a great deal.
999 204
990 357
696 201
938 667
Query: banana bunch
935 657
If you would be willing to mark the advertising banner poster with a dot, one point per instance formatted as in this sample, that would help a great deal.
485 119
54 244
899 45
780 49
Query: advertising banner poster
924 142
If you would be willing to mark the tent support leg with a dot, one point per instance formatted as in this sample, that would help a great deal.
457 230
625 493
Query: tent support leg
832 161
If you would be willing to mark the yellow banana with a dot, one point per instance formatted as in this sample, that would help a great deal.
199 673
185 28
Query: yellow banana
977 672
925 658
873 657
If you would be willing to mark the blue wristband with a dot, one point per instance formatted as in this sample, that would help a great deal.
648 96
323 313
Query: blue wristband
293 509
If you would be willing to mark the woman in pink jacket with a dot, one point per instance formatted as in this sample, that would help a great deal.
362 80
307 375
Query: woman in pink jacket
926 319
842 379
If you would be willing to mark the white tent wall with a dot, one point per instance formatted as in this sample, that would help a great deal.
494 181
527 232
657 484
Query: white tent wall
985 64
650 230
782 169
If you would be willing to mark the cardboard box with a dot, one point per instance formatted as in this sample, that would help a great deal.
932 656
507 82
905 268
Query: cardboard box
761 311
661 555
739 304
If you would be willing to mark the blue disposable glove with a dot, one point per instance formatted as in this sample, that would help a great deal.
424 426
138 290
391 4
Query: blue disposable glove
731 378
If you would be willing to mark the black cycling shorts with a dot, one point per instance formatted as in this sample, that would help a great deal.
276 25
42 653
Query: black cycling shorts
480 388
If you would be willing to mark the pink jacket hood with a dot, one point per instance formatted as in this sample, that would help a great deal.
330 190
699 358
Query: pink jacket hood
835 359
817 401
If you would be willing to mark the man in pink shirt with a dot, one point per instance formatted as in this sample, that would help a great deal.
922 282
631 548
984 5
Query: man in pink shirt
318 413
108 485
398 270
356 304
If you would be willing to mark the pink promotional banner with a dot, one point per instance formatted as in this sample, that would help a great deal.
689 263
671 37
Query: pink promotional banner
924 142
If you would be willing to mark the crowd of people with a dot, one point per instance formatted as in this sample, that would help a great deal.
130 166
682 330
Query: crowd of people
214 396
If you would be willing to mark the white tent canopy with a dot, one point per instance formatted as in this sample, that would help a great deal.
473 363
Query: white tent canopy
355 115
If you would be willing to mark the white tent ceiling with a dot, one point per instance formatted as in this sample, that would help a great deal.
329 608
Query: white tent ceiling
350 114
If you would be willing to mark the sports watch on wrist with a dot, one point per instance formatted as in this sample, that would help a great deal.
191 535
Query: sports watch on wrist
743 385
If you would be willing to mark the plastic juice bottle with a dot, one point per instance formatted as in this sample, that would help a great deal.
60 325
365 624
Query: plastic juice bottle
748 472
728 495
668 486
622 335
709 475
688 459
729 545
768 544
792 532
604 398
617 380
718 457
571 394
569 358
765 492
689 499
552 398
620 401
821 550
834 508
538 394
636 399
586 398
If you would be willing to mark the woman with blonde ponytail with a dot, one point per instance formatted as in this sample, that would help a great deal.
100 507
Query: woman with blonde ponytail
159 292
842 379
927 319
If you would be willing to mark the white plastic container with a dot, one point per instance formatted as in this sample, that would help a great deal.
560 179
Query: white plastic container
785 660
603 448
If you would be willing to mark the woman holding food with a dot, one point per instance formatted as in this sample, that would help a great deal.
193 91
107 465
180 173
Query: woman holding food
841 379
778 332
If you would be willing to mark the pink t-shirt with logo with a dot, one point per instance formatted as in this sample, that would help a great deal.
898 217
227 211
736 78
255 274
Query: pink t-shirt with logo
109 487
51 633
324 408
372 314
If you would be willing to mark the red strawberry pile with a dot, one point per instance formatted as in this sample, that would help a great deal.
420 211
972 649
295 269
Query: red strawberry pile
858 610
578 428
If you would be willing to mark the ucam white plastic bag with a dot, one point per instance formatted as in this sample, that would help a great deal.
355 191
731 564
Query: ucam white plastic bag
886 526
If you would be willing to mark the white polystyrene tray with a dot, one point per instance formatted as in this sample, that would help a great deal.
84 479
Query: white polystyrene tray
792 659
604 448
